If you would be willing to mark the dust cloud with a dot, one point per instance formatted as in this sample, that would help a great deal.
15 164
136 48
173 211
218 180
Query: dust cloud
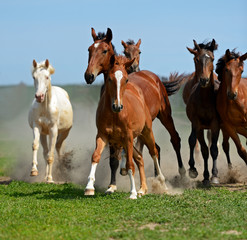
79 146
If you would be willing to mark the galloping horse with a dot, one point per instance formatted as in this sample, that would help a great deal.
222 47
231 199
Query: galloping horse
156 97
123 115
231 99
50 114
201 109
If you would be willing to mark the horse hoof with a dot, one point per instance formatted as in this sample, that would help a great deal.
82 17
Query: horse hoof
215 180
49 181
89 192
206 183
230 166
123 171
142 192
111 189
193 173
182 172
133 196
34 173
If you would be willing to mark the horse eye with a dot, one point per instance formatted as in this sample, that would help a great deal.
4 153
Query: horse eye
105 51
127 80
140 52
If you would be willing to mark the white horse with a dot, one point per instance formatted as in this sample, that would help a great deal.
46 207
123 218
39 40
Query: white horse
50 114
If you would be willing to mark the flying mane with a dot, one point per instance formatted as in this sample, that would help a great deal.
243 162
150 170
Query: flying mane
207 46
222 62
101 36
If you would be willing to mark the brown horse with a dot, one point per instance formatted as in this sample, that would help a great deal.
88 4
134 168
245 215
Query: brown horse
201 109
231 99
123 115
156 97
132 51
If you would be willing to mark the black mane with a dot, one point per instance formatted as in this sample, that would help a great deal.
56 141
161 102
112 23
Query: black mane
207 46
101 36
222 62
130 42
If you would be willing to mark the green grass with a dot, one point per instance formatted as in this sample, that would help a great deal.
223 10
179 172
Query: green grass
48 211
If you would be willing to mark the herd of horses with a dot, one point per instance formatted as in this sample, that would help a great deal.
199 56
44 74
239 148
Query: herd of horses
131 99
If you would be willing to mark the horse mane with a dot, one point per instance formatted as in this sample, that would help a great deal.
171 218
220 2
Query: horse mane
207 46
42 65
101 36
222 62
130 42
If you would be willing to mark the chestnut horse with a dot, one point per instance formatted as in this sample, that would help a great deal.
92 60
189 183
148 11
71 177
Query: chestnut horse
201 109
231 99
123 115
156 97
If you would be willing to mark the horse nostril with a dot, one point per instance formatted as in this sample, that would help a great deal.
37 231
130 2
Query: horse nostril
89 78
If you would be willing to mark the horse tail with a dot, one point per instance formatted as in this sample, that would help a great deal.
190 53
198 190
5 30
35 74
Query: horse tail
174 83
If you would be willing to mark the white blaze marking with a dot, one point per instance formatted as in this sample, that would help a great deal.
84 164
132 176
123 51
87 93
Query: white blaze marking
96 45
207 55
118 76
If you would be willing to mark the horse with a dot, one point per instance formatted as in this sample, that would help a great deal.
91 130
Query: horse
201 109
122 115
156 97
231 99
132 51
50 115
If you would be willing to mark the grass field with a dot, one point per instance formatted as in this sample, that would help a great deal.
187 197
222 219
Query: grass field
61 211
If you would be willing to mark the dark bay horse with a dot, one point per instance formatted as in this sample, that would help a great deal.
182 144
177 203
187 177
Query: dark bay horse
231 99
156 97
132 51
201 109
123 115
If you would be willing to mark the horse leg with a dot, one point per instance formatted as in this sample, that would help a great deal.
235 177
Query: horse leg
114 163
214 153
226 147
140 164
100 145
148 139
167 121
233 134
50 156
130 166
192 142
139 146
43 140
35 147
60 139
205 155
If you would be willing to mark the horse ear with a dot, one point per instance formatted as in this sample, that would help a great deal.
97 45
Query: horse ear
139 43
192 50
112 60
47 63
93 34
243 57
34 63
108 35
214 45
128 64
124 44
196 46
228 55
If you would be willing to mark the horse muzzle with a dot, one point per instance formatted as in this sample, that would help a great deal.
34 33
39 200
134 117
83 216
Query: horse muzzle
117 108
40 97
204 82
232 95
89 78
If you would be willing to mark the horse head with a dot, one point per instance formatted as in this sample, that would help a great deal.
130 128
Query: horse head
131 51
203 59
117 80
99 55
230 68
41 73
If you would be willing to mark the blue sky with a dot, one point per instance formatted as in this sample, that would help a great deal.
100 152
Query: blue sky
61 31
